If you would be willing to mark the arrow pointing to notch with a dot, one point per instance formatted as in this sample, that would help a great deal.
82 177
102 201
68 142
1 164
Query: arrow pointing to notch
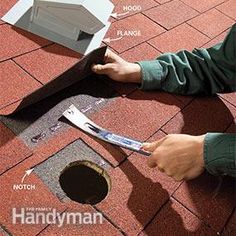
27 172
108 40
116 15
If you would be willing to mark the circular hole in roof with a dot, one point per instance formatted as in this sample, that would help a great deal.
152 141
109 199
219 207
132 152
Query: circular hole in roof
85 182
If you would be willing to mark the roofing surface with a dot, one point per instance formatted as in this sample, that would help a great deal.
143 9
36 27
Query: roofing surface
142 201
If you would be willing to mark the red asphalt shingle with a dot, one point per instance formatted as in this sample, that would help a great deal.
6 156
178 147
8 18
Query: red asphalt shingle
183 36
12 149
15 83
202 6
9 109
171 14
202 198
228 8
140 53
47 63
174 219
15 41
138 22
209 24
139 115
230 97
60 140
216 40
201 116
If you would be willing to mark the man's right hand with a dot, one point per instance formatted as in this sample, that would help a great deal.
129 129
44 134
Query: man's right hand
180 156
118 69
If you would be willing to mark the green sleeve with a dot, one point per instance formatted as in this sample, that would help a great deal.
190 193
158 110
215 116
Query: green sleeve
220 154
203 71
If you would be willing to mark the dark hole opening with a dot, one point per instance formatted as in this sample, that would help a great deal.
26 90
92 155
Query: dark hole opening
85 182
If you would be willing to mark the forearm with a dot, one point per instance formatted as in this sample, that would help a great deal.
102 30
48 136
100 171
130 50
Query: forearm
181 73
206 71
220 154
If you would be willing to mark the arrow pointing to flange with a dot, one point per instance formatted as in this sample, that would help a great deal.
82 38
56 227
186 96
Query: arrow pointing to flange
108 40
27 172
116 15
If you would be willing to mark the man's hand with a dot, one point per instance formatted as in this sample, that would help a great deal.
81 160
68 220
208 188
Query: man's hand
179 156
118 69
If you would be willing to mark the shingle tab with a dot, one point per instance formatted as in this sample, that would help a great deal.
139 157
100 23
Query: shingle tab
208 23
15 83
49 62
228 8
137 24
15 41
171 14
184 36
12 150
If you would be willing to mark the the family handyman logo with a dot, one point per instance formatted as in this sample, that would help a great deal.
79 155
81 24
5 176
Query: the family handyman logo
33 216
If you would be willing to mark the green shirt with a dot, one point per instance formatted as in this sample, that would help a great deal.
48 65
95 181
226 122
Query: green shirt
203 71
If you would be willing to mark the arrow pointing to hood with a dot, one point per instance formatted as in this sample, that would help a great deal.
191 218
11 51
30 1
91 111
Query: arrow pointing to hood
116 15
